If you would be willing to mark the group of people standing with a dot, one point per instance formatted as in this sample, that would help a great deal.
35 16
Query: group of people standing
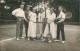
44 24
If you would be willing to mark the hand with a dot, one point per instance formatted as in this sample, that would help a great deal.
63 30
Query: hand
49 21
58 22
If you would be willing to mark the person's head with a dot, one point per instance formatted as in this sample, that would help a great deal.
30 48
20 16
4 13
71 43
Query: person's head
47 7
42 2
47 2
27 7
52 10
60 8
22 6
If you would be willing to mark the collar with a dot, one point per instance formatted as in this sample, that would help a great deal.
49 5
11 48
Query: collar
20 9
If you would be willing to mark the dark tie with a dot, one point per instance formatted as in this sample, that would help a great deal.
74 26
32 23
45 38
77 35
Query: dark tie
27 15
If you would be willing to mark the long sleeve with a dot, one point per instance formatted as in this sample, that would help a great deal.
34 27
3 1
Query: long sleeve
53 16
14 12
47 13
23 14
18 13
62 17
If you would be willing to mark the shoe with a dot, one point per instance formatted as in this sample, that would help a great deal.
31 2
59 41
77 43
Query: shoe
28 39
49 41
17 39
43 39
56 40
63 42
34 39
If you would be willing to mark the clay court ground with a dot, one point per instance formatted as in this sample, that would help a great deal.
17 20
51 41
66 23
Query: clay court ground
8 41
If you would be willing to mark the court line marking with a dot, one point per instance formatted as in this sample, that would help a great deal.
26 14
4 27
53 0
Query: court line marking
8 39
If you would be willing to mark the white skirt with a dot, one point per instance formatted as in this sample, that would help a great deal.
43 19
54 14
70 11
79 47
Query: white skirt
32 29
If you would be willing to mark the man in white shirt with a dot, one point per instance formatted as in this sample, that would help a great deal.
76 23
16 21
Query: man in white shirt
60 24
47 15
20 15
41 16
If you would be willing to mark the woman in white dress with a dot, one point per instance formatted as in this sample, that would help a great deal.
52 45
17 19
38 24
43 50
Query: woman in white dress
32 25
41 15
50 30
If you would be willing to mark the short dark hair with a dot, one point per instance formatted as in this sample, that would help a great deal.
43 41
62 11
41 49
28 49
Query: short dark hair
63 9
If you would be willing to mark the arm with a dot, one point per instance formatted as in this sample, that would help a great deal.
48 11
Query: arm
54 17
14 12
25 17
35 18
62 19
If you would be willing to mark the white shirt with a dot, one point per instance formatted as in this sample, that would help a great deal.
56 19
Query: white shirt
18 13
47 13
32 16
51 18
61 15
41 16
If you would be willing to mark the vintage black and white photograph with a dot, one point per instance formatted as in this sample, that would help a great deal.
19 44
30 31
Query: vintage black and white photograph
39 25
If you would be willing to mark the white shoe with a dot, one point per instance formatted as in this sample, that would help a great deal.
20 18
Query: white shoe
56 40
63 42
17 39
28 39
49 41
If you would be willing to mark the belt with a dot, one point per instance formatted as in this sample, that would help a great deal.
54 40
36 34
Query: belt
20 17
